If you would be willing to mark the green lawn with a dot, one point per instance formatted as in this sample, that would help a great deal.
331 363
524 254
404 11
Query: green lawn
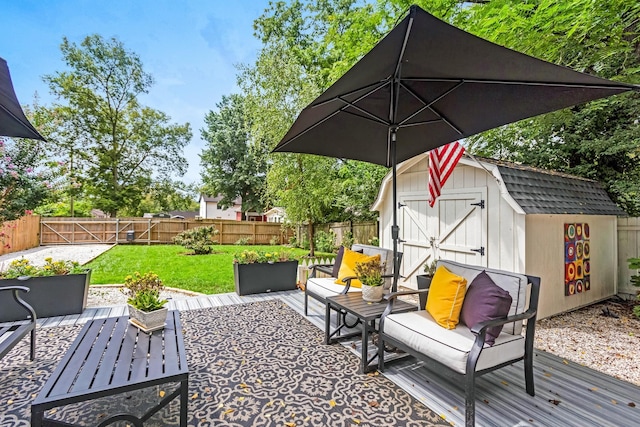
209 274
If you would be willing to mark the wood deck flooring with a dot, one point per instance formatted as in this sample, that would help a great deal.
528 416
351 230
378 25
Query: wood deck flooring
567 394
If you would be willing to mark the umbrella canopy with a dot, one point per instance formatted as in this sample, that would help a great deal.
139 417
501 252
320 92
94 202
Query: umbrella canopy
12 119
427 83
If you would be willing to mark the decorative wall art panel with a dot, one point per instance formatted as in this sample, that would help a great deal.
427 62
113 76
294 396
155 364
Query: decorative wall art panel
577 266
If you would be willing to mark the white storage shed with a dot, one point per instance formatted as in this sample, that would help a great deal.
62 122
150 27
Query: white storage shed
512 217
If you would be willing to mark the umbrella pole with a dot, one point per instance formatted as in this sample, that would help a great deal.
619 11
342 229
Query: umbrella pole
395 229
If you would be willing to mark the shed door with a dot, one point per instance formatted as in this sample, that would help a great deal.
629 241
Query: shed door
455 229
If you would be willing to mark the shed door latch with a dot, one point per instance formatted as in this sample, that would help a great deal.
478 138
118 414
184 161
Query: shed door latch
480 250
480 203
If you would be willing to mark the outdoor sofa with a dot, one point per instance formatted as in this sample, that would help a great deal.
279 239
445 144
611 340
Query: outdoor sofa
463 351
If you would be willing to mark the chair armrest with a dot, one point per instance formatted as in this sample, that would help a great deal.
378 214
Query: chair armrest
391 298
14 288
480 328
19 300
324 268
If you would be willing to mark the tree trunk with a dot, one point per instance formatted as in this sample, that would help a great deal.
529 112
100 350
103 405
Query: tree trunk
312 246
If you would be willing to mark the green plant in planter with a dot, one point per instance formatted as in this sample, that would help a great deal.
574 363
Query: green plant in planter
370 272
430 267
143 291
23 267
260 257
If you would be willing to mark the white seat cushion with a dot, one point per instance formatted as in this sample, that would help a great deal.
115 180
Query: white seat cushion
451 347
326 287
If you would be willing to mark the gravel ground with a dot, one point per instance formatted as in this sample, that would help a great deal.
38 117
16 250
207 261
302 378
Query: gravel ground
604 336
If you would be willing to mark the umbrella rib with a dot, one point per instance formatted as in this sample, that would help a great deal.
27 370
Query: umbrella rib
623 87
375 86
427 105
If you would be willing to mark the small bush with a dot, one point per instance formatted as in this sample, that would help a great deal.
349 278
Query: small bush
243 241
199 239
143 291
325 242
374 241
347 239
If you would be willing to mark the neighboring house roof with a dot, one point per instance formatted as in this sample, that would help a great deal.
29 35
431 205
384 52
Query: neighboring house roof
216 199
277 211
540 191
184 214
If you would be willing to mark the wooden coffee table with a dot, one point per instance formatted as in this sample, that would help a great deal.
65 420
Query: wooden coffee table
111 356
366 314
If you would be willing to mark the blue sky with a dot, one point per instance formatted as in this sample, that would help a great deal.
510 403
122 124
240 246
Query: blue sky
190 47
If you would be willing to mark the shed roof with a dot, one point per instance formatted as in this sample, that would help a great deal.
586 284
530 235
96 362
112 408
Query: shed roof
540 191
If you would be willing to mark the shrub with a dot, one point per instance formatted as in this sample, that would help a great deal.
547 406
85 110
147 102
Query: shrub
374 241
325 242
199 239
347 239
243 241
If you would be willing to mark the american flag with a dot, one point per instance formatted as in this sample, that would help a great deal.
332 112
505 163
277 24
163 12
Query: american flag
442 160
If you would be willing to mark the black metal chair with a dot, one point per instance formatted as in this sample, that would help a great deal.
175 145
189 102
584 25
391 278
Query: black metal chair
14 332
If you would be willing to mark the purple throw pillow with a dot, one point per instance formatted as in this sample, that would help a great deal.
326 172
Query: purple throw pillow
485 300
338 260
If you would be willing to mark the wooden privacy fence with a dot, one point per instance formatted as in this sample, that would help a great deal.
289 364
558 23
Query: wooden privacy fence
362 232
19 234
60 231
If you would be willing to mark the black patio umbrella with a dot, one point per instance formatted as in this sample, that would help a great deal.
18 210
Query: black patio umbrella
425 84
12 119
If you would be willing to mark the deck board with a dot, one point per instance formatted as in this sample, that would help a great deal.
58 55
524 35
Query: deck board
584 397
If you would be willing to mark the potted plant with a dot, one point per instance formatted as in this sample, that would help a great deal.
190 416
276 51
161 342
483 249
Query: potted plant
370 275
57 288
147 309
424 280
258 271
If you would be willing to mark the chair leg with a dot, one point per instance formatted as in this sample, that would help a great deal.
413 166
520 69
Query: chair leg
306 303
470 400
380 352
528 374
33 344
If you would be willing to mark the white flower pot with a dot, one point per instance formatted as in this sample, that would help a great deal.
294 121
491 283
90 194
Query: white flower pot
372 293
148 321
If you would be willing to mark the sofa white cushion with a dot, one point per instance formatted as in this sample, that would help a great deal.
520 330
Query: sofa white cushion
451 347
515 284
326 287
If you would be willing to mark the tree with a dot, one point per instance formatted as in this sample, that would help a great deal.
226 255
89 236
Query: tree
164 195
22 186
234 164
124 143
598 140
302 54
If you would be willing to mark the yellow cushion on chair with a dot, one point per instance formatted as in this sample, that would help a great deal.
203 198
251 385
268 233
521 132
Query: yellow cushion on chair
446 295
348 265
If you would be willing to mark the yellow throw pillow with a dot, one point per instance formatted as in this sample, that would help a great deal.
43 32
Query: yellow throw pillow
446 295
347 268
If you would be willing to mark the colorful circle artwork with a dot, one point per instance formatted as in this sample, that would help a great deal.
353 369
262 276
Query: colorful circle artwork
571 271
571 231
570 252
579 250
585 230
578 231
587 284
587 249
572 288
579 286
587 267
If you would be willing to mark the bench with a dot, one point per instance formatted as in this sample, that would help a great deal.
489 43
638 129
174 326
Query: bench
321 287
462 351
12 333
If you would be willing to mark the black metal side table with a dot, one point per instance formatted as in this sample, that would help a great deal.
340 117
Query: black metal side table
111 356
366 314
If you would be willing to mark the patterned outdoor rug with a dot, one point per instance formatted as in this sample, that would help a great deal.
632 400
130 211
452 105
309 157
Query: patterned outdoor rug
257 364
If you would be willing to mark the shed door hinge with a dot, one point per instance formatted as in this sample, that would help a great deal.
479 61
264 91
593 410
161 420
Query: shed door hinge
480 203
480 250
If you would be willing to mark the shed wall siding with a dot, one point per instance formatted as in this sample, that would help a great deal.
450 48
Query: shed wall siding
628 247
505 228
545 258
